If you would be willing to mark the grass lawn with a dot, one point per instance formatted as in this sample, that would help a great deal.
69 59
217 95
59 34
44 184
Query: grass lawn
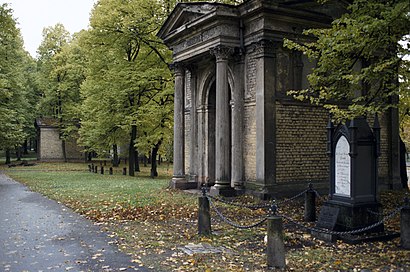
151 222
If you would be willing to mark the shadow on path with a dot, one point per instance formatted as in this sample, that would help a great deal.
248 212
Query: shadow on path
38 234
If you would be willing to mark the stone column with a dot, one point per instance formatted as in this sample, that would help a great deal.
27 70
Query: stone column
193 154
178 179
237 125
222 128
265 117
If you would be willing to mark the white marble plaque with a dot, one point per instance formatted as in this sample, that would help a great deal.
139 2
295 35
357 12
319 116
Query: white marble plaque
342 167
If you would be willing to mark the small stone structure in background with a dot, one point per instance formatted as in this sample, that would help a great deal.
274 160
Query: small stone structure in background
50 145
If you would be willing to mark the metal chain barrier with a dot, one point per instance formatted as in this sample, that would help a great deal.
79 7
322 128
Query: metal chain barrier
393 213
229 222
292 198
252 207
273 210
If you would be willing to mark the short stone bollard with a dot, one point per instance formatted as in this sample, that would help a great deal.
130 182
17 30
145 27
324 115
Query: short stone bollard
111 171
204 216
275 245
405 225
310 205
102 170
96 169
124 171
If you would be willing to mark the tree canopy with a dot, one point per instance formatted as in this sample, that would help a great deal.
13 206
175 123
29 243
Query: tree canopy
358 59
15 83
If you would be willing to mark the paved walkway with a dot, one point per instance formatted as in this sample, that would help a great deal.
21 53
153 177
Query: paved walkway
38 234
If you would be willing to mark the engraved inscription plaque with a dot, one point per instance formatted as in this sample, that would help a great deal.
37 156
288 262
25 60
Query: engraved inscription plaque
342 167
327 217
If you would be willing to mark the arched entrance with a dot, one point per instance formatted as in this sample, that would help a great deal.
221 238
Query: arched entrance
210 132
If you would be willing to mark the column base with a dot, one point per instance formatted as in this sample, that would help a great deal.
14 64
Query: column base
239 189
182 184
222 191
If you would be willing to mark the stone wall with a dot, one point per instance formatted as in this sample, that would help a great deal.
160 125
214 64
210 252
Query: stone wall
50 144
249 141
50 148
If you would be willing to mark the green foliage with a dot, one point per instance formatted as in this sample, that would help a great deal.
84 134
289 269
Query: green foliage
358 59
15 91
128 82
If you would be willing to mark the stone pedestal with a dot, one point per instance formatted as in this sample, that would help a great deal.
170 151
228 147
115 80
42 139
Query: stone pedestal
352 217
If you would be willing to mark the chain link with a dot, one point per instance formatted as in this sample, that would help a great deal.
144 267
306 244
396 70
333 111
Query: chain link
252 207
233 224
273 209
341 233
292 198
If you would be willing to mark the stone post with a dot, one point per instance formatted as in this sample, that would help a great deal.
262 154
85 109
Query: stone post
310 205
178 179
405 225
275 245
204 216
222 128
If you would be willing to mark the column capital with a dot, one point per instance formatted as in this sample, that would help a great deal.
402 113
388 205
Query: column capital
178 68
221 52
264 47
192 68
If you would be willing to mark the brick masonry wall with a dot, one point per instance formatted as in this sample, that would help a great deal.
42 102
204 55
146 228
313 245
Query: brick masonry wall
301 144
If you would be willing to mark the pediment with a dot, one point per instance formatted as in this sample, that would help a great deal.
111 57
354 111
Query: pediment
183 14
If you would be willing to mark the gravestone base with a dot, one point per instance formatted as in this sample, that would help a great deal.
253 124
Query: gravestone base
357 216
372 237
331 238
182 184
222 191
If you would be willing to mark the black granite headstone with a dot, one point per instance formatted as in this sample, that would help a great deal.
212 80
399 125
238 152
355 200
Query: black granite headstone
327 218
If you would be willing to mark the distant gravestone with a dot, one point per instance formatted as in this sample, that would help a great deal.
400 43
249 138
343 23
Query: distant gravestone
353 149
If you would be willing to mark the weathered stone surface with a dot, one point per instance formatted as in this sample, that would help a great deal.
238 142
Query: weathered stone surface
266 139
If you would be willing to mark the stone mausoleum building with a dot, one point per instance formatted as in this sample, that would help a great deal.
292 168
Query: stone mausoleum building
50 145
235 127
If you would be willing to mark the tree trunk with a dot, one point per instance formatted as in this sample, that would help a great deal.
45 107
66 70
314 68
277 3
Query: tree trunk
131 151
145 161
18 153
25 147
64 150
8 158
154 172
115 161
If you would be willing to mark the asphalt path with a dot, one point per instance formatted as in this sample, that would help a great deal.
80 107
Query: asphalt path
38 234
